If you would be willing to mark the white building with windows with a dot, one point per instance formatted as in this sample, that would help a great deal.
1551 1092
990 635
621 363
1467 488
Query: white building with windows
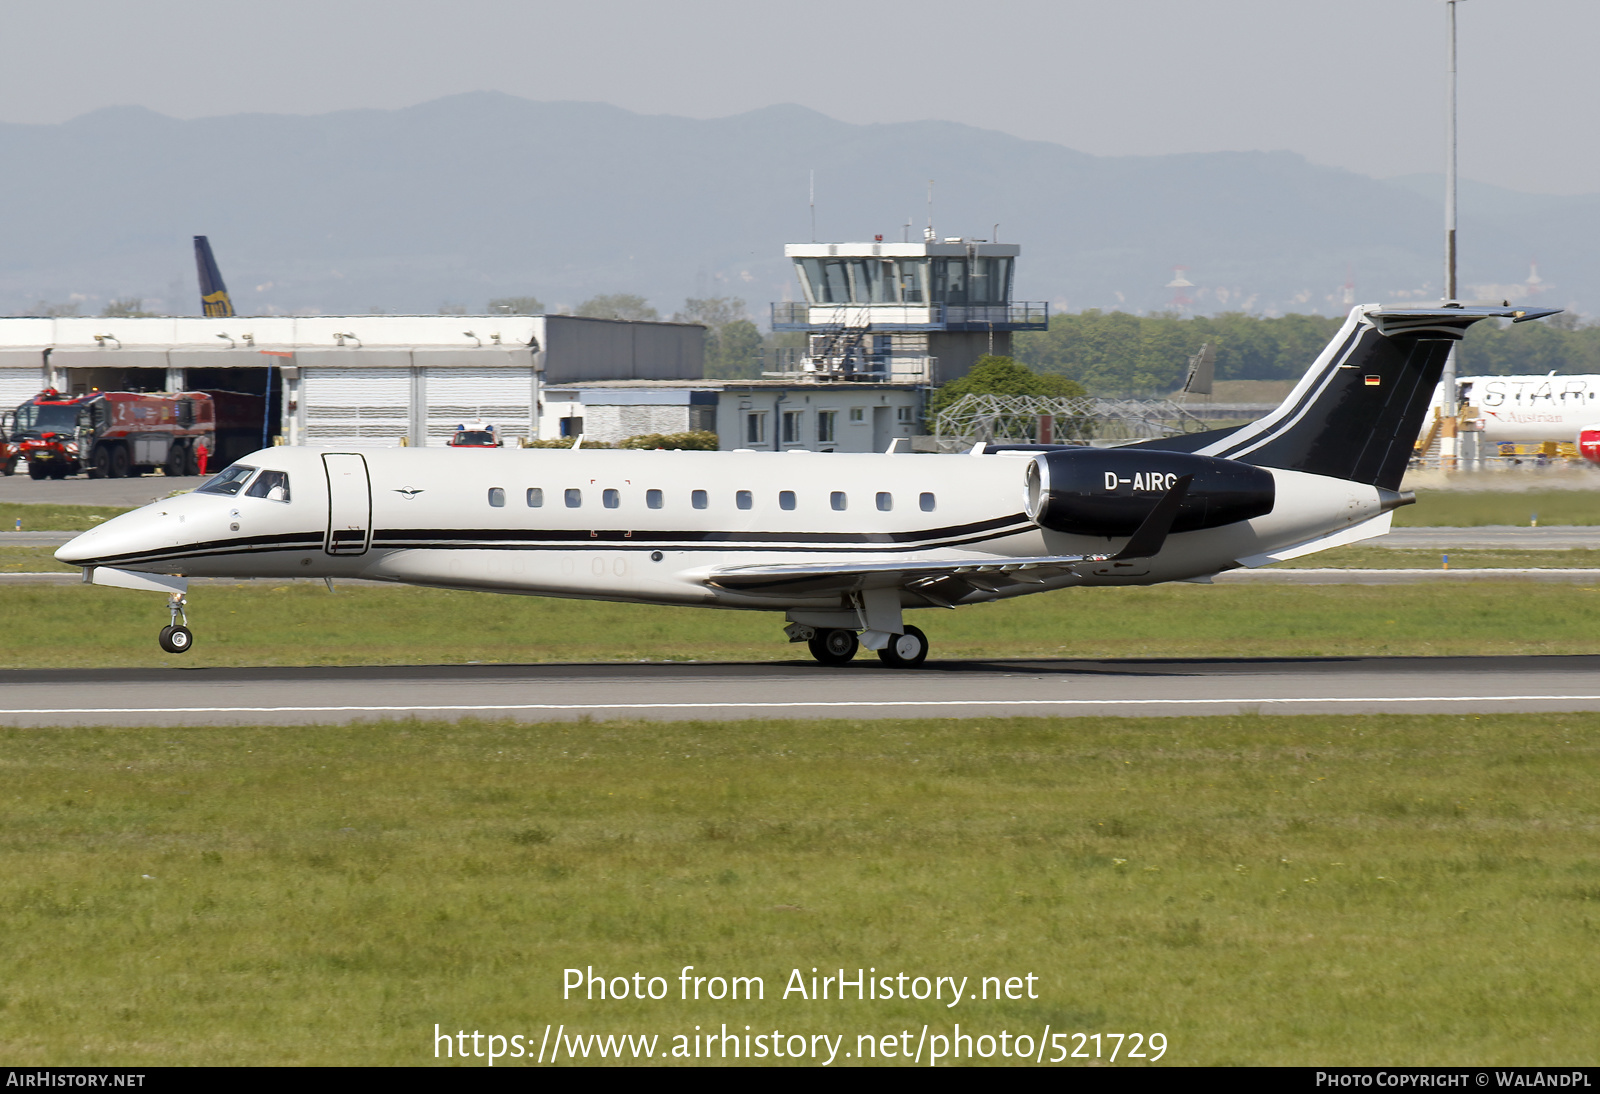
761 414
373 380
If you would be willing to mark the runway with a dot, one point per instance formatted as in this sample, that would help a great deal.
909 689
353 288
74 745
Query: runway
796 689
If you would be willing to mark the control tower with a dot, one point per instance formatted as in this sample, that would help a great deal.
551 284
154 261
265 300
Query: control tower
902 312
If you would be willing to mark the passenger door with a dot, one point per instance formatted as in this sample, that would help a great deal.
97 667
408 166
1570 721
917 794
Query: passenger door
349 504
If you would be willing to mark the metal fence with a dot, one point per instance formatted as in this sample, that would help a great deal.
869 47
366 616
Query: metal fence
1032 419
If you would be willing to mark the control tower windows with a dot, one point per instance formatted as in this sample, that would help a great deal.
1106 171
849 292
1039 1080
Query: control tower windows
870 280
972 281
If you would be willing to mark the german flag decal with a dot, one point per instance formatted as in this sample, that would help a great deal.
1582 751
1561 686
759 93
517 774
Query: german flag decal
1372 381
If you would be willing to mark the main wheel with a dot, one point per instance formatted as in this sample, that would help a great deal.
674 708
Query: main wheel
37 471
834 647
100 462
119 462
176 639
905 651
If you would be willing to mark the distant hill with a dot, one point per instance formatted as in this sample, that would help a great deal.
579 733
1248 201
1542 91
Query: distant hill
475 196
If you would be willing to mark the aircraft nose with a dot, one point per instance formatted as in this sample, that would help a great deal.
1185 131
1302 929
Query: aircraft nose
81 549
130 534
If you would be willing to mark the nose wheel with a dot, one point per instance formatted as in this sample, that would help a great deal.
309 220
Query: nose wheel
176 636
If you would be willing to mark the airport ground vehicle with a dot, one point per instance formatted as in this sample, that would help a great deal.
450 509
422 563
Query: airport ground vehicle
477 435
112 434
10 454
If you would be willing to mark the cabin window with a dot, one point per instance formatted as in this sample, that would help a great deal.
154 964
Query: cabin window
838 500
698 499
885 501
611 498
535 497
652 498
785 499
744 499
497 497
574 498
927 503
272 485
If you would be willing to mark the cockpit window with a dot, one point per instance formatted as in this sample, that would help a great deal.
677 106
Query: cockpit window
228 482
272 485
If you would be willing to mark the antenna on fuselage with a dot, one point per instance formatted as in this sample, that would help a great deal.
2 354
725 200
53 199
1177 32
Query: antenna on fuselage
577 444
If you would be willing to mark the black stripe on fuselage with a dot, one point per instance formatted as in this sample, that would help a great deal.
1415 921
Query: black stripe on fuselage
610 539
489 536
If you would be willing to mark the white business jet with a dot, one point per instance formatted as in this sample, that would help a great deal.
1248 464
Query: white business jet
840 544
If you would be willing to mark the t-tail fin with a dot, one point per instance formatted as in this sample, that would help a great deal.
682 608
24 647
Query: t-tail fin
1357 412
214 300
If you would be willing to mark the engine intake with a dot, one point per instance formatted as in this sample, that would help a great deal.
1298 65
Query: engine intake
1109 492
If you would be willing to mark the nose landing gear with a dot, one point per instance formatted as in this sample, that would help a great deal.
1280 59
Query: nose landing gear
176 637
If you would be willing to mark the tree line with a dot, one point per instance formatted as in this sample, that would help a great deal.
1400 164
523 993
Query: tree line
1118 354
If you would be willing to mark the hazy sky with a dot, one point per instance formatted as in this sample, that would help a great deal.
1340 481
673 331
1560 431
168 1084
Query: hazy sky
1351 83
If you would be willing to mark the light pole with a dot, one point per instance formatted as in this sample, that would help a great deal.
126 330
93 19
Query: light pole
1447 440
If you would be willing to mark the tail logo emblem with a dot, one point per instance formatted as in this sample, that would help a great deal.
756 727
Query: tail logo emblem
1373 381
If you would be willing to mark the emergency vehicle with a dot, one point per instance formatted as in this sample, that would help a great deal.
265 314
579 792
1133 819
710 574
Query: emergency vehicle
112 434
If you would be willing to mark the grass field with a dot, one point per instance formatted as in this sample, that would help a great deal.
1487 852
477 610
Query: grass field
54 518
264 624
1297 890
1470 509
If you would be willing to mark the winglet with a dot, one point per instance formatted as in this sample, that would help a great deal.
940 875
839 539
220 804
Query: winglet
1150 536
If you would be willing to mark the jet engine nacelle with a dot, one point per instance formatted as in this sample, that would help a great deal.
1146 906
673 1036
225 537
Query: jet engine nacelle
1109 492
1589 443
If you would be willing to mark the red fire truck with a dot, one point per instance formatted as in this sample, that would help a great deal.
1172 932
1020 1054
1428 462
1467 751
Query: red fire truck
112 434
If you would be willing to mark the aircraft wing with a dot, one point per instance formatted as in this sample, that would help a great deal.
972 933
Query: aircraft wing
946 581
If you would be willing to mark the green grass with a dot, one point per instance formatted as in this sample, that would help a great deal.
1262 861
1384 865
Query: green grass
1468 509
55 518
1296 890
1375 557
31 560
264 624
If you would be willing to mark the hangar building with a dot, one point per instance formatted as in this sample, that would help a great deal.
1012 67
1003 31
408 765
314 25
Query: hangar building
350 380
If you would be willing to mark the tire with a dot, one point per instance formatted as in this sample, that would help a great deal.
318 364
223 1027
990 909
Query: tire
905 651
176 639
35 471
834 647
175 461
119 462
9 468
58 472
191 462
100 462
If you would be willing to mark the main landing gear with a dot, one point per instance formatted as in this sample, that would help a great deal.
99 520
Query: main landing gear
837 646
176 637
